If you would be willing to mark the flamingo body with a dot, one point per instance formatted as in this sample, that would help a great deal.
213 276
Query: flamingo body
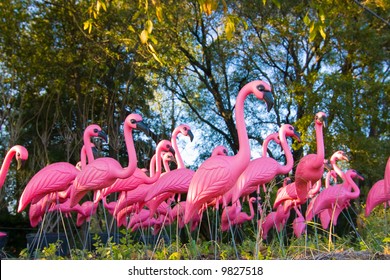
336 196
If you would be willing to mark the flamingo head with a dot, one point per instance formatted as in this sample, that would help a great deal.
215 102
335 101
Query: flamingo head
262 90
290 131
168 156
186 131
134 121
339 155
219 151
165 146
354 174
287 181
321 119
94 130
21 155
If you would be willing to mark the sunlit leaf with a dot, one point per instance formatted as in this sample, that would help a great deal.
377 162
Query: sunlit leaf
229 29
149 26
159 13
277 3
322 32
144 36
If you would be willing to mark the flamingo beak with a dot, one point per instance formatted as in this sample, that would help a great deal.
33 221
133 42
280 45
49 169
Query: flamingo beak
20 163
359 176
172 150
103 135
345 157
190 135
143 127
173 159
297 136
269 99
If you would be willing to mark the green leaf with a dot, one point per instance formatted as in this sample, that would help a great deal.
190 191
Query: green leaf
229 29
306 20
149 26
322 32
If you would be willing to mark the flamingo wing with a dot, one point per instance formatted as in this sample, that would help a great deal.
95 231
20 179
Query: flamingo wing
175 181
259 171
211 180
52 178
376 196
97 175
285 193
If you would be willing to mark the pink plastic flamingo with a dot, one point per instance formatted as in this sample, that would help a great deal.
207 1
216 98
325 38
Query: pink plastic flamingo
103 172
311 167
186 131
87 209
20 153
177 213
380 192
336 196
262 170
178 180
57 177
275 219
325 215
139 177
217 175
237 218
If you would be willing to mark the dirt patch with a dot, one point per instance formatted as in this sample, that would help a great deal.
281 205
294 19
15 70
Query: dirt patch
346 255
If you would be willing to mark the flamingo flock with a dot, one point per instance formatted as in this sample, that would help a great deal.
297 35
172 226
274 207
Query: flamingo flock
138 198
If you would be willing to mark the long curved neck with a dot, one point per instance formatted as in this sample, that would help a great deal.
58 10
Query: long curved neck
153 178
289 157
266 141
251 210
320 147
83 157
353 185
337 169
88 148
5 166
152 166
132 156
327 179
179 159
166 165
243 154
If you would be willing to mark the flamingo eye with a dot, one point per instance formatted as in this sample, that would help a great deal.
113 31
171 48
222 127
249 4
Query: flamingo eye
185 128
261 87
133 121
96 130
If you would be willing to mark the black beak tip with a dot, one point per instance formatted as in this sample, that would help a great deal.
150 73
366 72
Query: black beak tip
191 135
103 135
